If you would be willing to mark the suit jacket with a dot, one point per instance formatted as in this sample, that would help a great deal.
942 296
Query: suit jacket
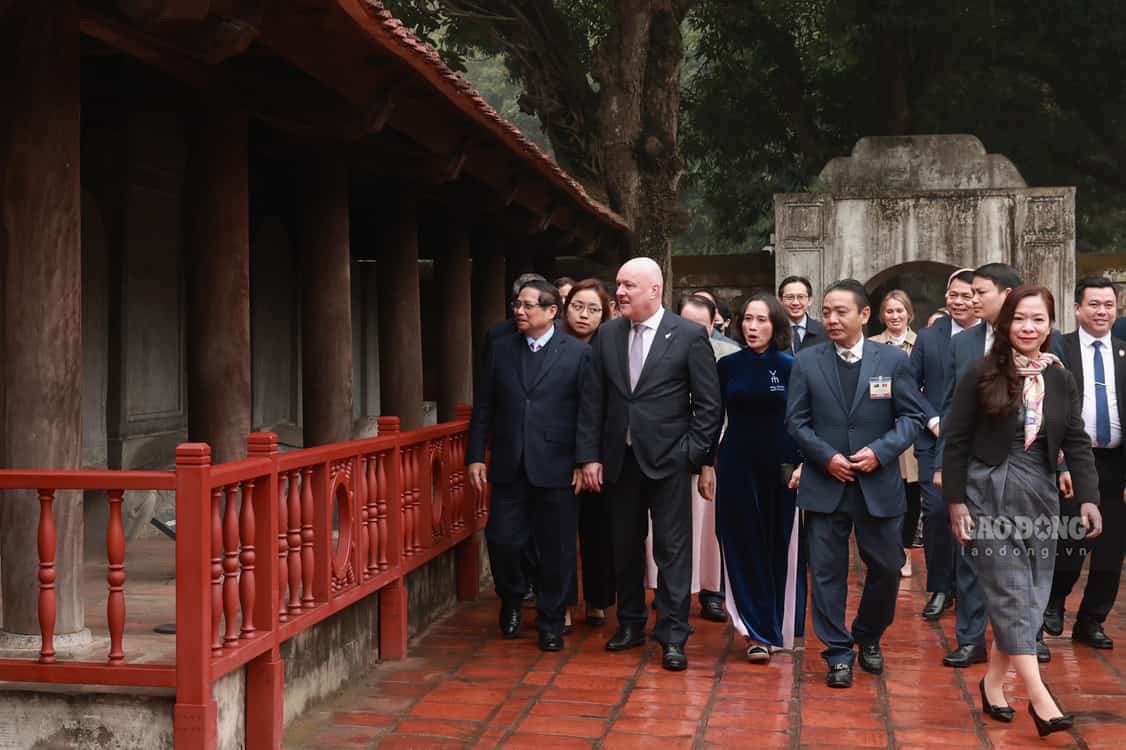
929 359
1072 360
967 347
825 421
531 427
814 333
970 433
1119 329
674 414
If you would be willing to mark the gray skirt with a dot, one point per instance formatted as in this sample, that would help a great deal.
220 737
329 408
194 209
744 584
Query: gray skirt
1014 506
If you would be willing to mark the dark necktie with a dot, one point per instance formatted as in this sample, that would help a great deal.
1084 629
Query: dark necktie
799 334
1102 407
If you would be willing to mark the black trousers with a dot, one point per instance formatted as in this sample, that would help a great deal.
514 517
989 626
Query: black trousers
633 499
596 550
880 544
548 517
914 509
1106 552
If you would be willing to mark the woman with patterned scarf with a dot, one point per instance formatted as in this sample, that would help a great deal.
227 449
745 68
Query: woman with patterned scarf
1014 412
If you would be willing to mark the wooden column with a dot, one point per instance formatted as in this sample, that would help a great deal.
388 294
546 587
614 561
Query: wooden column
490 290
452 274
326 303
218 251
42 301
400 325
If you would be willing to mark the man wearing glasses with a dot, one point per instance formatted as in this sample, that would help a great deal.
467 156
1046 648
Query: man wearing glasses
796 294
525 411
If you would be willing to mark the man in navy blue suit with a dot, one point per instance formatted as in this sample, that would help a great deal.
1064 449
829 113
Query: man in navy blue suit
929 360
525 410
853 409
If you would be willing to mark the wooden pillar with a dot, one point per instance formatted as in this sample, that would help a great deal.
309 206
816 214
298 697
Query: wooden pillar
490 291
452 274
218 251
326 303
42 302
400 325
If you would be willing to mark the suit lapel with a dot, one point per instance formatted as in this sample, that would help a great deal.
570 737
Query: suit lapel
620 347
664 336
868 366
1119 354
832 376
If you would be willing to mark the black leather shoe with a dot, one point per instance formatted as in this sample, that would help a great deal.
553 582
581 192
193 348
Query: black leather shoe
1092 634
1053 618
596 621
674 659
840 676
964 656
872 659
1000 713
713 611
511 618
550 641
1043 653
530 596
1058 724
628 636
938 603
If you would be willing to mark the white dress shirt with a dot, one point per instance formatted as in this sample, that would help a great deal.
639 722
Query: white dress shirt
857 350
989 336
648 333
1088 354
536 344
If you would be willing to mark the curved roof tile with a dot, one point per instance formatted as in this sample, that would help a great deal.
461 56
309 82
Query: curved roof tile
399 40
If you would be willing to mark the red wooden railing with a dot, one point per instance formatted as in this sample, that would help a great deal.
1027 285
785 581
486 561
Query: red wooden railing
266 548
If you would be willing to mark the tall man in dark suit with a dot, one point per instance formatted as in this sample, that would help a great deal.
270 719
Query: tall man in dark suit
1097 361
992 284
929 360
853 409
647 422
526 407
796 293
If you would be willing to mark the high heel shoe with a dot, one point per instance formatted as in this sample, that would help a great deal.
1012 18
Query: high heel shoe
1000 713
1058 724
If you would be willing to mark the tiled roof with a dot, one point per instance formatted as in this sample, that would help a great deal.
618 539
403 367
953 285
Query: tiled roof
401 41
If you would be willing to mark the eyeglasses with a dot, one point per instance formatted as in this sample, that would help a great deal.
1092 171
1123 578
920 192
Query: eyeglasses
578 308
795 297
526 306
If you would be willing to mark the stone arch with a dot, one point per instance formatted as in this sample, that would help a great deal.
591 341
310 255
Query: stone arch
923 280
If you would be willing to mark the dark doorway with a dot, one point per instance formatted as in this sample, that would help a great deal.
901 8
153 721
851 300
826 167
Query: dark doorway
923 280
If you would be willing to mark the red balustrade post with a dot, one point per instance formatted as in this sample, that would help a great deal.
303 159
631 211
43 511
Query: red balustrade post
216 570
360 529
247 556
372 530
196 715
265 674
416 496
293 538
283 545
230 565
393 600
322 529
307 560
48 605
381 507
115 604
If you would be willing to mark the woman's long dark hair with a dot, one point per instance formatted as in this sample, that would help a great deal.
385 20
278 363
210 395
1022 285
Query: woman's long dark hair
999 389
779 321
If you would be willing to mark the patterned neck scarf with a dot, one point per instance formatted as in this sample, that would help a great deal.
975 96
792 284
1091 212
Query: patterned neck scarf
1032 393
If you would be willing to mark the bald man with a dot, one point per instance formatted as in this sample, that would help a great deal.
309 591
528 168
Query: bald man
648 420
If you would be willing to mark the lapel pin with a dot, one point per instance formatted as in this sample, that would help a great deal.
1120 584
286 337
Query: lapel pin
668 335
1121 353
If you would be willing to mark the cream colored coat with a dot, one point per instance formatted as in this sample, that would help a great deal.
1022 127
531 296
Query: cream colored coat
908 464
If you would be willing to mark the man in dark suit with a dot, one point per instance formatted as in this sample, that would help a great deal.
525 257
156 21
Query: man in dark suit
853 409
992 284
526 407
1097 361
796 293
929 359
647 422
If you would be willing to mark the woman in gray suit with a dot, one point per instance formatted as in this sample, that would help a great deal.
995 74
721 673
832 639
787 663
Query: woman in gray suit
1013 412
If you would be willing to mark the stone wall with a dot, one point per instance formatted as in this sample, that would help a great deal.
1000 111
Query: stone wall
941 199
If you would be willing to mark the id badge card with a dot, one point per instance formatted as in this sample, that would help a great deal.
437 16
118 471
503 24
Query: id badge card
879 387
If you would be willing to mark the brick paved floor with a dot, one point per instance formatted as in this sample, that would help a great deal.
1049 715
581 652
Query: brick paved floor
463 686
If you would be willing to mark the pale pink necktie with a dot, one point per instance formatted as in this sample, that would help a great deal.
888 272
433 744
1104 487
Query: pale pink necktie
636 355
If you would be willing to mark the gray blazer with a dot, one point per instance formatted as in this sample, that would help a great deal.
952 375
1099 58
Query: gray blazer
825 421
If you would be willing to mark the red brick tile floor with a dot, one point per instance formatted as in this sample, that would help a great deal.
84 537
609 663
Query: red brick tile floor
462 686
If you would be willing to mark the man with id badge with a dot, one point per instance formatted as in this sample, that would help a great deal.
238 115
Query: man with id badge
853 408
